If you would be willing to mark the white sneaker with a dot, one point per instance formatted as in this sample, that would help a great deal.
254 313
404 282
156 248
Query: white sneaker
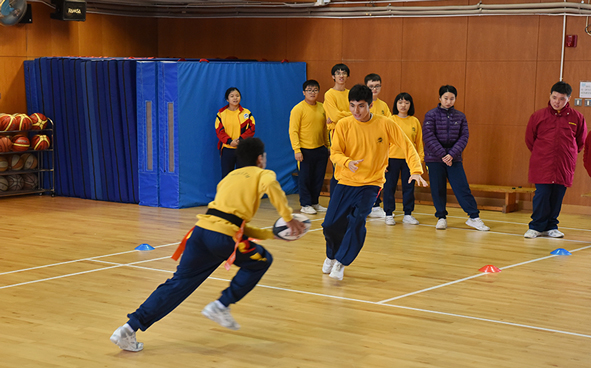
338 270
441 224
327 266
126 340
390 220
477 224
377 212
220 315
319 208
554 233
409 219
531 233
309 210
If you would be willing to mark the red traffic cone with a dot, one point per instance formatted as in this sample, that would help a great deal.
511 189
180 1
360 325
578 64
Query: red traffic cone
489 269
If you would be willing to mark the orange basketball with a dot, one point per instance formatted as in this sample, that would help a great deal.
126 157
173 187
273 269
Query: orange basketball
3 163
13 124
30 181
15 182
20 144
40 142
5 144
23 122
16 162
6 122
30 161
38 121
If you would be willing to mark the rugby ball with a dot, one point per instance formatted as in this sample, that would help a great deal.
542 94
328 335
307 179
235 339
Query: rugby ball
281 230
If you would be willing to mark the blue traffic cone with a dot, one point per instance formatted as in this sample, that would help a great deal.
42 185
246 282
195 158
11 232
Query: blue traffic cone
560 252
144 246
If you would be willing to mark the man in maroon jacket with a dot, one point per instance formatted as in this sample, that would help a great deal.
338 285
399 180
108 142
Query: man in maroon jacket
554 136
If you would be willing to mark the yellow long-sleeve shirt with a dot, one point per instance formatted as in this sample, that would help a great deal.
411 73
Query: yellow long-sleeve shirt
370 141
307 126
411 126
380 108
239 193
336 106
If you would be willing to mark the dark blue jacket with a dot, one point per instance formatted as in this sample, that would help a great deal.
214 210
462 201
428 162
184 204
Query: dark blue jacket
445 131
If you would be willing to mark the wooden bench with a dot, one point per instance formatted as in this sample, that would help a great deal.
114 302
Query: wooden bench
510 204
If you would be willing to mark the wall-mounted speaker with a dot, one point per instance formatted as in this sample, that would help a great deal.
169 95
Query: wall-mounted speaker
69 10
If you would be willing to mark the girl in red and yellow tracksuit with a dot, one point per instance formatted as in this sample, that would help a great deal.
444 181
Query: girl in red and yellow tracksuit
232 123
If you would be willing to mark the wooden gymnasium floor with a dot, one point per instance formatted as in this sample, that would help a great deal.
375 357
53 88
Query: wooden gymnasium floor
414 297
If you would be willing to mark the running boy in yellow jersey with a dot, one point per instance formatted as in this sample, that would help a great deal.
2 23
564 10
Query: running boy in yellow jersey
309 140
359 151
213 240
336 103
379 107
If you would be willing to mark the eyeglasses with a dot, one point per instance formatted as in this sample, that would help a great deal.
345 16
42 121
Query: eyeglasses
312 90
338 74
375 87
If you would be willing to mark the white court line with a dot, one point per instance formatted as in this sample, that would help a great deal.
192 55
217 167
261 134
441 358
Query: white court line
537 328
79 260
474 276
57 277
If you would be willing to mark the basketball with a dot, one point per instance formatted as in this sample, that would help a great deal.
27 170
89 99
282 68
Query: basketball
13 123
15 182
281 230
30 181
3 163
5 144
23 122
20 144
16 162
30 161
38 121
3 184
5 122
40 142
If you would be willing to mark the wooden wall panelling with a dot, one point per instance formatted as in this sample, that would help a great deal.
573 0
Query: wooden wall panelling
141 36
502 38
12 85
174 35
375 39
434 39
500 93
212 38
260 38
423 79
497 155
576 26
314 39
549 38
92 36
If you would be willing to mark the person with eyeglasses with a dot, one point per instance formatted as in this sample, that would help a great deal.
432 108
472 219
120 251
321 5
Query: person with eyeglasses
233 123
336 103
309 140
379 107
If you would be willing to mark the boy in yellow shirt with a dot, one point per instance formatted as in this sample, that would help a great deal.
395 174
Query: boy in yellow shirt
221 233
359 169
336 103
309 140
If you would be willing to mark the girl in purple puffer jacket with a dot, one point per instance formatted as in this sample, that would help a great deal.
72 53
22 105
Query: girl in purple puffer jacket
445 135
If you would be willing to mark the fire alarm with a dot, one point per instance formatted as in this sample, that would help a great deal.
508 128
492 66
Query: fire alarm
571 40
